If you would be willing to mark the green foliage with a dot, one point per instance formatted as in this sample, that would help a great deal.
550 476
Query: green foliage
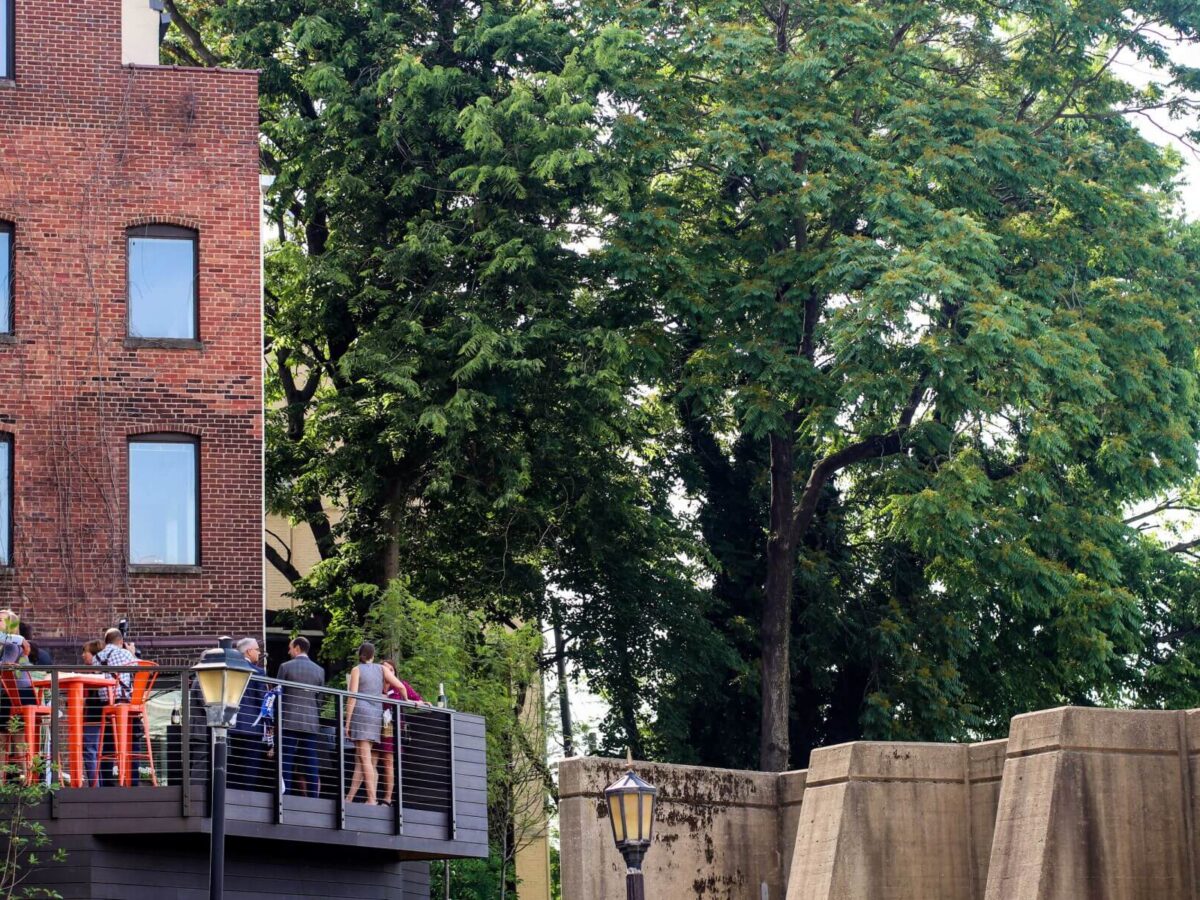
490 670
915 264
888 325
444 369
28 846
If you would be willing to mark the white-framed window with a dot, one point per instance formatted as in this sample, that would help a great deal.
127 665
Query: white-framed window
8 37
7 261
6 499
163 282
164 500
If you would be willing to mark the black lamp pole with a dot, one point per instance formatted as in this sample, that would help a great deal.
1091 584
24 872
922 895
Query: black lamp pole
635 887
222 674
216 862
631 802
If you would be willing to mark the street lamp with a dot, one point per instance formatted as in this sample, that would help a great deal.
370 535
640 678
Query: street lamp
223 674
631 811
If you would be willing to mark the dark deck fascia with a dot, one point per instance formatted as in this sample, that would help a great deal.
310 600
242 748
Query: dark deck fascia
159 810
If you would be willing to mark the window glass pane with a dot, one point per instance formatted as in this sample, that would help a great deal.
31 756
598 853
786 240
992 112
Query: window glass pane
6 38
5 277
162 504
162 287
5 500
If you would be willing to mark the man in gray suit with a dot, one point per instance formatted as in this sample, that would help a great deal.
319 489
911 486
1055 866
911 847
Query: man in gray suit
301 720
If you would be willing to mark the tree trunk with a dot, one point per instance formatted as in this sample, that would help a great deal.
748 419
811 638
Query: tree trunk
564 699
774 747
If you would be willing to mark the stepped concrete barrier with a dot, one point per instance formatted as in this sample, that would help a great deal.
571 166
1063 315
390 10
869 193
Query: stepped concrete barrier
896 821
1077 804
717 834
1097 804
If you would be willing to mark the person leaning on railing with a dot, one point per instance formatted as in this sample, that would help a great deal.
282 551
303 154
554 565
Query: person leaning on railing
246 735
392 724
11 649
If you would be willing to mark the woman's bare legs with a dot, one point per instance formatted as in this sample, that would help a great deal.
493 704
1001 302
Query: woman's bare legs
367 764
389 776
356 779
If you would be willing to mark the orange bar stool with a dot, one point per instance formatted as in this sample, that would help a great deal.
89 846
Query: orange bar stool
120 718
32 716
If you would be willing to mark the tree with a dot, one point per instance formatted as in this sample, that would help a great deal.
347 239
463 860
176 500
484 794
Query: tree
444 370
930 328
492 671
425 325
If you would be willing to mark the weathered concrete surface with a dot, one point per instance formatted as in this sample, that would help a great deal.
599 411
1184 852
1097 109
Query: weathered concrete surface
891 821
1077 804
717 832
792 786
1097 804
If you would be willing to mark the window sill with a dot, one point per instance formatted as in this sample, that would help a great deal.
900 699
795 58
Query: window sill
7 338
7 571
135 343
8 83
166 570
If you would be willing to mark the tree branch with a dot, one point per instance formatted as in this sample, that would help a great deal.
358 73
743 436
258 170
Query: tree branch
282 565
192 35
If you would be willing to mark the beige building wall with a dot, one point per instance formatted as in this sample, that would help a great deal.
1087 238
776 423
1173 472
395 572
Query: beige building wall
532 822
139 33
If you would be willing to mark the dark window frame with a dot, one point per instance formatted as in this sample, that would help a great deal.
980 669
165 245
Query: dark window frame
9 440
162 437
8 9
169 232
7 328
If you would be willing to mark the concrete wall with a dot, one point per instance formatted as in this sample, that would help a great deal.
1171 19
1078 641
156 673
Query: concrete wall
717 832
1097 803
1077 804
896 822
791 789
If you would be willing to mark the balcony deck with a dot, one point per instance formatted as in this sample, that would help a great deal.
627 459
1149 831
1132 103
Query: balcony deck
161 831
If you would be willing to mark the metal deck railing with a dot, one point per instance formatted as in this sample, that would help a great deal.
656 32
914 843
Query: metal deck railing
144 726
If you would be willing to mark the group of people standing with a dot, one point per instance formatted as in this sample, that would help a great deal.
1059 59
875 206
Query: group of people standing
368 724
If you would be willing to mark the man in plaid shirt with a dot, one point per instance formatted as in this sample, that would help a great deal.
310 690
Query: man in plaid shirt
115 654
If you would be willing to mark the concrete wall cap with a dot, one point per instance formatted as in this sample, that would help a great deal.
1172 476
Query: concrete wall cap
869 761
1097 729
589 776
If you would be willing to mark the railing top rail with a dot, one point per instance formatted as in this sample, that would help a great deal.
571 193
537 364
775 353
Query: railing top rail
80 668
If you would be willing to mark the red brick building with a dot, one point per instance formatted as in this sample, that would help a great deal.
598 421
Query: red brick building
130 334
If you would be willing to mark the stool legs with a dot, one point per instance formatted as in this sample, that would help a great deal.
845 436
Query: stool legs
124 753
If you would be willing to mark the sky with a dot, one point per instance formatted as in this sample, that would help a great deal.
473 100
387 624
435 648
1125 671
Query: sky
1156 125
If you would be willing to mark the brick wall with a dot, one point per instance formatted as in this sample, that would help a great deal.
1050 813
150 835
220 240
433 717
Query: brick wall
89 147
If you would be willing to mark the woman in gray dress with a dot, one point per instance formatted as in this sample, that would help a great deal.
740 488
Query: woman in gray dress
364 719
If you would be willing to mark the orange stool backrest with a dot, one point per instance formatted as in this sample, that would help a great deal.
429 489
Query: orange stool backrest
143 682
9 679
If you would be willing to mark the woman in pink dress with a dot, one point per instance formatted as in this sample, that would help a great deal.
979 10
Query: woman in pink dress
387 746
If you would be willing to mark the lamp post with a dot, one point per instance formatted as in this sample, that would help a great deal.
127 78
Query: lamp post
223 675
631 811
